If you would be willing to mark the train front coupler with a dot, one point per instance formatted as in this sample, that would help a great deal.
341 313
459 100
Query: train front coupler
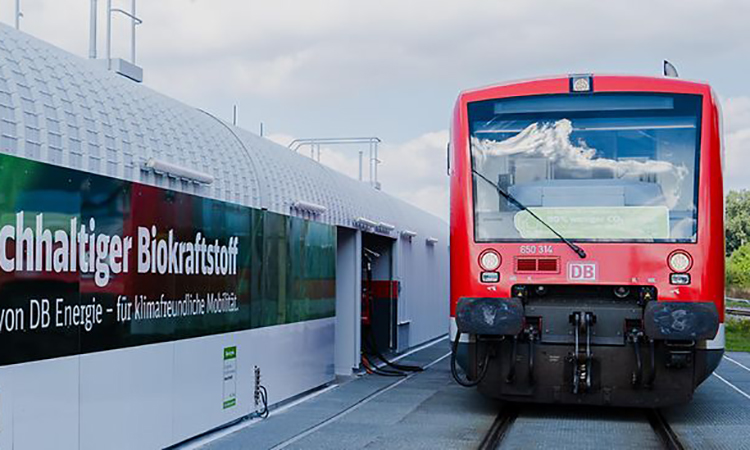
581 359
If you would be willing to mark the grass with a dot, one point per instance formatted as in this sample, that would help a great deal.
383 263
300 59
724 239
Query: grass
738 335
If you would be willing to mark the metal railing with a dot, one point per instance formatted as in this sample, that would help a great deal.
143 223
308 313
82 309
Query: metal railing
134 21
372 143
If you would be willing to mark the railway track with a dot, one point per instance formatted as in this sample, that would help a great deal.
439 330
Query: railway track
506 420
661 427
742 312
500 427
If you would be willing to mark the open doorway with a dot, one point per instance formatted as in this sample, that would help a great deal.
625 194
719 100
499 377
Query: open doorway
379 331
379 295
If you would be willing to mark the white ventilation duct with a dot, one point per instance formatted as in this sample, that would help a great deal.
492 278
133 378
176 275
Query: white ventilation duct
167 168
363 222
408 234
309 207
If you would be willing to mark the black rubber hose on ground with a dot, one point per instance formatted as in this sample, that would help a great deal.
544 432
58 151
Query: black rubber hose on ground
382 372
369 350
376 352
454 368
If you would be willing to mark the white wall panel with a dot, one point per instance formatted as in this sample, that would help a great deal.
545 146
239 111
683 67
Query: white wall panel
293 358
126 398
6 407
198 382
348 300
45 404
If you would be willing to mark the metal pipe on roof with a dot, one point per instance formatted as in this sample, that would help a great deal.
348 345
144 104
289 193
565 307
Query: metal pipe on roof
371 159
133 23
18 14
92 30
372 142
375 164
108 46
361 154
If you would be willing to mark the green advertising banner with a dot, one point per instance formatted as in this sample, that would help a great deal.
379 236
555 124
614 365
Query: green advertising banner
91 263
607 222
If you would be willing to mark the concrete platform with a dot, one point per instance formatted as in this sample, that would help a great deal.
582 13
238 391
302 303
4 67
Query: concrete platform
719 415
424 411
429 410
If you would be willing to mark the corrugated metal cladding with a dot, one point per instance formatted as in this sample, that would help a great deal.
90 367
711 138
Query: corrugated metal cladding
62 109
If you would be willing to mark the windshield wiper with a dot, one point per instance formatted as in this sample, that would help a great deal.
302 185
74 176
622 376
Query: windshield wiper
578 250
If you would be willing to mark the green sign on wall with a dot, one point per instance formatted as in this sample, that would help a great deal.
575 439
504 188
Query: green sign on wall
230 377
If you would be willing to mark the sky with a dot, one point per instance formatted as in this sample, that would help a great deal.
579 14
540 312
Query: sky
393 68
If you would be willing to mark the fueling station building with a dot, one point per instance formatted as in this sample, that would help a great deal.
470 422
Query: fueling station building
158 265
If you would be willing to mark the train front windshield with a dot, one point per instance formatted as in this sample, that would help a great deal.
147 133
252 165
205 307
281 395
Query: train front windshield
597 167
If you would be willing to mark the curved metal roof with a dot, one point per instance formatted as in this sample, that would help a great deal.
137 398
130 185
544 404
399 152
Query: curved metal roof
62 109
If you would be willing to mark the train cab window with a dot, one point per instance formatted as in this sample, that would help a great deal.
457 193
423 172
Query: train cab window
599 167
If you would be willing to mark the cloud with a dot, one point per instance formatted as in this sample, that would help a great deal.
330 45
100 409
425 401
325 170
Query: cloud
293 49
414 171
552 142
392 68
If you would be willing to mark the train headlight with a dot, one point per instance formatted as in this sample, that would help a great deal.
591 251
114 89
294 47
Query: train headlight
680 261
490 260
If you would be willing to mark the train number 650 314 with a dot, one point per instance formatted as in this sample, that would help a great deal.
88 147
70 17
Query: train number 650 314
536 249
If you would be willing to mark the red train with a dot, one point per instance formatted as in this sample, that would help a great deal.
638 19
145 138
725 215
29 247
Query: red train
587 240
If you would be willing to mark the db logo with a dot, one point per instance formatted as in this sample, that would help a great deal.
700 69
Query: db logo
582 271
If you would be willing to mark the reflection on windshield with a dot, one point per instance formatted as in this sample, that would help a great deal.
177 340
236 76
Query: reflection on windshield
610 175
552 141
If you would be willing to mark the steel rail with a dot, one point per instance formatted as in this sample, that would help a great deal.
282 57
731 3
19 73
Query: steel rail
668 437
740 300
744 312
500 427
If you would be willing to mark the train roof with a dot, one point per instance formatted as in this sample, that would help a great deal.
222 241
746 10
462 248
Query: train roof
59 108
601 82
